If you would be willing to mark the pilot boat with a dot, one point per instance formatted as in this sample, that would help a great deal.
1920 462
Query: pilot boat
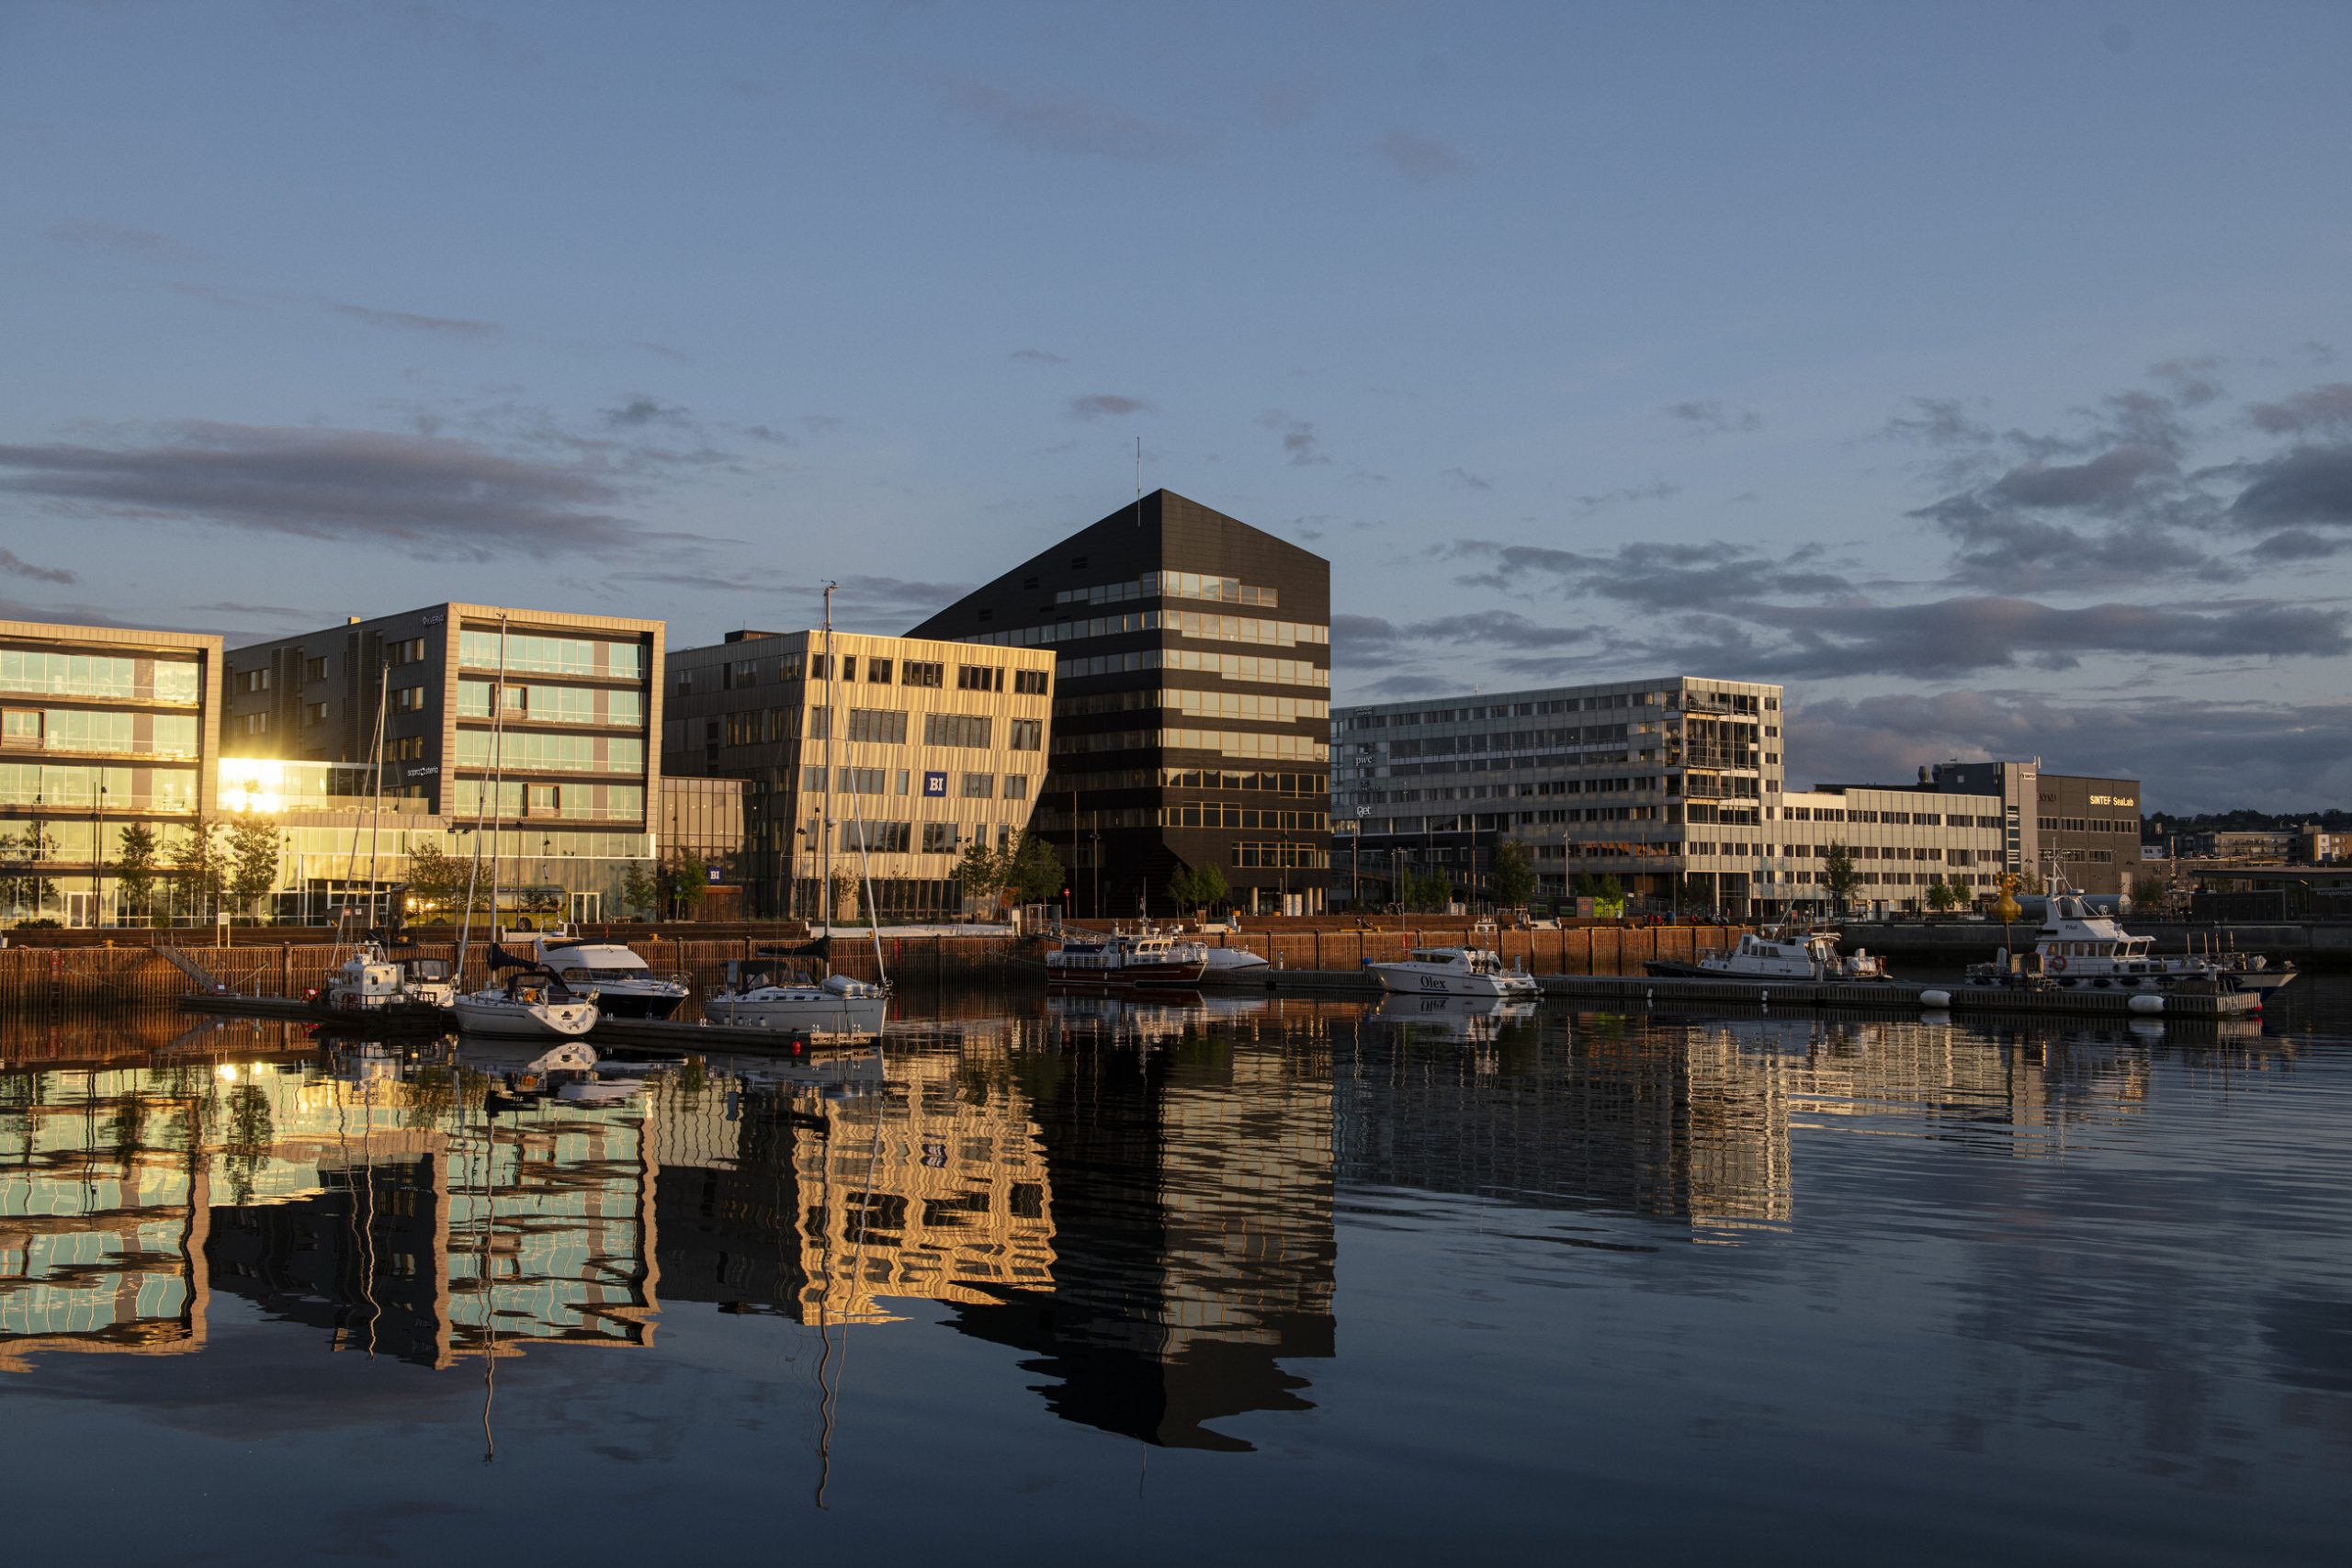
1454 972
1118 963
2079 949
375 989
1783 954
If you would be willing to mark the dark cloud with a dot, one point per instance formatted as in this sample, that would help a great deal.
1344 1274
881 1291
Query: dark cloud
408 322
1300 443
1095 405
2325 411
1465 479
1657 490
1418 158
1035 356
1364 641
2014 554
2119 478
638 412
1711 416
363 486
2300 544
1657 576
2309 485
2191 380
1074 127
123 239
1939 422
15 565
662 350
2191 755
769 433
1410 686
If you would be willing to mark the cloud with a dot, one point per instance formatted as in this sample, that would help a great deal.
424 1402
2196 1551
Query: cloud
360 486
15 565
1072 126
638 411
1657 489
2308 485
1095 405
2190 755
1299 440
237 607
1418 158
404 321
1035 356
1711 416
123 239
1465 479
1657 576
2022 554
2191 380
2301 544
770 435
1366 640
2321 409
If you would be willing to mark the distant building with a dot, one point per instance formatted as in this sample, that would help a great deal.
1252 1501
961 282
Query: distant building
101 729
2091 825
1903 842
1667 783
578 704
934 746
2261 846
1192 725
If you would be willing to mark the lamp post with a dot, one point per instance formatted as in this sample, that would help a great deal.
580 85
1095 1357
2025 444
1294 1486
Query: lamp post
97 856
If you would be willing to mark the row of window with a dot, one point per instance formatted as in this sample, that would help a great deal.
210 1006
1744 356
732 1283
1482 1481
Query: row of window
565 802
2090 824
1172 585
901 781
1260 668
112 789
551 754
898 838
547 655
1209 814
1229 742
118 734
541 704
1599 702
122 676
1183 623
1281 853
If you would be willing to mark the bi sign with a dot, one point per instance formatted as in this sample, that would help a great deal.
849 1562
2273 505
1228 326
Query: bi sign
936 784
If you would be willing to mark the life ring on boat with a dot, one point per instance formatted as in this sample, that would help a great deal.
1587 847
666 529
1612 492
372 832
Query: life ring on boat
2058 965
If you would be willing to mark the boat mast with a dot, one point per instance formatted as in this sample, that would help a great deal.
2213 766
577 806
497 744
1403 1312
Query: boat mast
376 806
825 820
482 807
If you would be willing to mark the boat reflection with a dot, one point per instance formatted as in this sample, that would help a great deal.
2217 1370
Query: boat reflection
1466 1020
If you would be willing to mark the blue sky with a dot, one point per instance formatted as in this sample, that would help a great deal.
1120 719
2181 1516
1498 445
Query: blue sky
1982 372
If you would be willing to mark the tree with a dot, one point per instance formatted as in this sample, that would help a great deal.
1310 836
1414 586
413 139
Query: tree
640 890
436 879
134 869
1840 875
685 881
1940 895
2149 889
202 864
1036 875
983 871
254 841
1210 887
1427 892
1510 877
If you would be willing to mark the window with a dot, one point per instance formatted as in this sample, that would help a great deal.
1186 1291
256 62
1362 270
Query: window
254 724
980 678
877 671
313 669
314 713
921 673
405 748
1016 786
21 727
812 780
905 779
876 838
1026 734
820 724
543 800
859 780
253 679
939 838
818 664
411 699
1030 683
412 652
882 726
979 786
966 729
849 666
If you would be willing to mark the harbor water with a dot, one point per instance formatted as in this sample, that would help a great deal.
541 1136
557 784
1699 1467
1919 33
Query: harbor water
1244 1280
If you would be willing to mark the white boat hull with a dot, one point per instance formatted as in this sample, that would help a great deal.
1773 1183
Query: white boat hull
501 1020
813 1015
1413 980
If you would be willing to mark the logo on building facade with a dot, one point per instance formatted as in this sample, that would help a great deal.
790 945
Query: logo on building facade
934 786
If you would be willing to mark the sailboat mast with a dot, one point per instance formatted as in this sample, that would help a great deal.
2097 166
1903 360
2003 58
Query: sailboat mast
825 821
376 806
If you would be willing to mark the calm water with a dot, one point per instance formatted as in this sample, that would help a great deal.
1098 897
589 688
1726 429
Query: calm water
1261 1280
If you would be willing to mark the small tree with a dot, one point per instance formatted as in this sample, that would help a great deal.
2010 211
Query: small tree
1510 879
1037 876
1428 892
1840 875
684 883
982 872
254 843
2149 889
1939 897
1210 887
437 878
202 864
640 890
844 891
134 869
1183 889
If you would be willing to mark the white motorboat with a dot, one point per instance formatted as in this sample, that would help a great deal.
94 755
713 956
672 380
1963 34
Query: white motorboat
754 998
526 1006
1230 963
1776 954
1119 963
372 988
625 985
2079 949
1454 972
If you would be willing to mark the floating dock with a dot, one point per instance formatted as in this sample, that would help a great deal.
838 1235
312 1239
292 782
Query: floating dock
646 1033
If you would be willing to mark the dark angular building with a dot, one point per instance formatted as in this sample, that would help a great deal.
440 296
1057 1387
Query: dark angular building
1191 711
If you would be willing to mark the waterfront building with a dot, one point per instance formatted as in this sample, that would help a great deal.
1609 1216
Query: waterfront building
1903 843
102 729
2091 824
1665 783
930 746
1193 719
579 703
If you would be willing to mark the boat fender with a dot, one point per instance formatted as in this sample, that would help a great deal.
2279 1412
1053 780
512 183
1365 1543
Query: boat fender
2146 1001
2059 963
1935 1001
527 1081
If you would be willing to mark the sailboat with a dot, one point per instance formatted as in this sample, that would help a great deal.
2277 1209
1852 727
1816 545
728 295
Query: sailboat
375 988
532 1002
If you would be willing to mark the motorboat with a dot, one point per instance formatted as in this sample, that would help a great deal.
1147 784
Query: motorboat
530 1004
1454 972
1776 954
1118 963
625 985
2077 948
529 1069
373 988
756 997
1230 964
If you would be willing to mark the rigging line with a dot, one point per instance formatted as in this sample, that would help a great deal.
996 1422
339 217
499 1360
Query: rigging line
857 1277
482 807
376 806
489 1301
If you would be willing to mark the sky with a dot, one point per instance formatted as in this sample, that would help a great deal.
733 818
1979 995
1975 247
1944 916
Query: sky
1982 373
